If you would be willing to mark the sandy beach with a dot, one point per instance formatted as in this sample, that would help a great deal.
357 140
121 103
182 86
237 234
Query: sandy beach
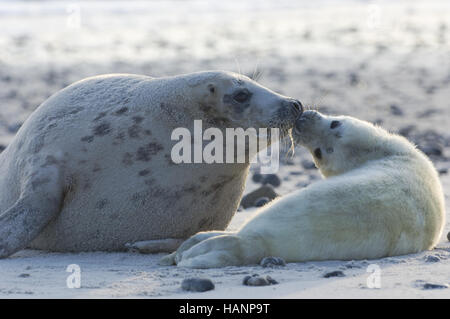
386 62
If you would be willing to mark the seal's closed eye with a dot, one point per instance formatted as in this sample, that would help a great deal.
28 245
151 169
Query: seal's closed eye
318 153
335 124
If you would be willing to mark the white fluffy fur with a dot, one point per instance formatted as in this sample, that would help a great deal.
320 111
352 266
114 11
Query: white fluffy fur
380 197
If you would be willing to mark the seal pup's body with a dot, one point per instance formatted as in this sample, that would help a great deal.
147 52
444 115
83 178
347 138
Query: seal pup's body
91 168
381 197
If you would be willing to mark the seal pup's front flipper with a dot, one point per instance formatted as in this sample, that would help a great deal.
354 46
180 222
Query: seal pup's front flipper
39 202
155 246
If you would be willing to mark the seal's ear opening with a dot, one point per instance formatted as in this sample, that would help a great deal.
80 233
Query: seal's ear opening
211 88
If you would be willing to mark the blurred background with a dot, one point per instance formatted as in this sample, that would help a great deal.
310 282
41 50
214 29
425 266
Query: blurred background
387 62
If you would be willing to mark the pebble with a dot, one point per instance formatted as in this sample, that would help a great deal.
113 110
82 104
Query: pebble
272 179
257 178
250 199
395 110
272 262
448 236
407 130
434 286
260 202
431 149
432 259
197 284
336 273
24 275
257 280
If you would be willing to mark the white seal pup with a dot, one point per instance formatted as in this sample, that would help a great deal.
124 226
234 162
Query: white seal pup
91 168
380 197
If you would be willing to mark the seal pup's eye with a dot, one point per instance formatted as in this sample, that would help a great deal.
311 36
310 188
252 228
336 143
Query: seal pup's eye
318 153
241 96
335 124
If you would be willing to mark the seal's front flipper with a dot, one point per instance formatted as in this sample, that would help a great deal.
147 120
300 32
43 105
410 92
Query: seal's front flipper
155 246
39 202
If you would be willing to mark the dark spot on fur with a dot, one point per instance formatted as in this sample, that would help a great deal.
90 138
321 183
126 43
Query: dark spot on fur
144 172
338 135
121 111
227 99
127 159
49 160
148 132
205 108
203 179
100 116
52 125
205 223
330 150
144 153
102 129
134 131
101 204
169 159
35 183
138 119
88 138
39 145
82 161
76 110
96 168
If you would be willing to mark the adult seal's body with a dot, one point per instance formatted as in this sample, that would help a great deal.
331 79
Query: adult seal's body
381 197
91 168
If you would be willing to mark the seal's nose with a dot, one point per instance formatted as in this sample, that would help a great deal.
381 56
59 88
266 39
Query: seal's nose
298 107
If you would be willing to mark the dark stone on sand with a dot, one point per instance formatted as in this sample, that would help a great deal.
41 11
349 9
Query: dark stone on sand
14 127
197 284
336 273
272 262
250 199
272 179
260 202
431 149
396 110
443 171
448 236
432 259
257 178
307 164
353 78
428 286
406 131
24 275
257 280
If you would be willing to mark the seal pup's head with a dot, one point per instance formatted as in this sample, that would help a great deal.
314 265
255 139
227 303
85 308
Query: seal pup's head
230 100
341 143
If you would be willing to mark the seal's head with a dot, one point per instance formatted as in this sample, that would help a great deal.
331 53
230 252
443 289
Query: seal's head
232 100
341 143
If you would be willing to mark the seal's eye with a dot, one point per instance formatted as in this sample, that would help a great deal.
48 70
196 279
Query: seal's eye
335 124
318 153
241 96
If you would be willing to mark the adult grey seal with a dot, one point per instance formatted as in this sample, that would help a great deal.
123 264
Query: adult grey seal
91 168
